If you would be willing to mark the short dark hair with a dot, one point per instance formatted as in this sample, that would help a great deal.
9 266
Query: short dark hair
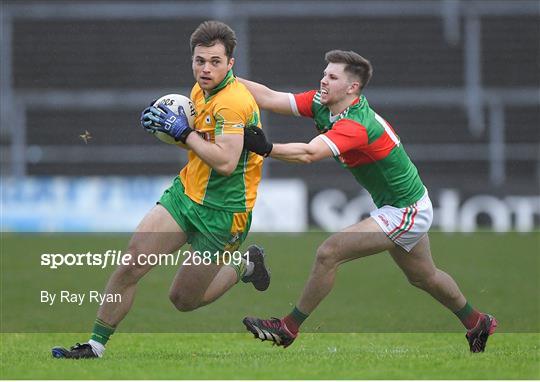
354 64
210 32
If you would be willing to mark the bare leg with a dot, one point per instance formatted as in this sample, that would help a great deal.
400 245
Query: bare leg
359 240
194 285
157 233
224 280
419 268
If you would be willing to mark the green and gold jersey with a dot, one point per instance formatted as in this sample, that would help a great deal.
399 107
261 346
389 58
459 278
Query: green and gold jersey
228 109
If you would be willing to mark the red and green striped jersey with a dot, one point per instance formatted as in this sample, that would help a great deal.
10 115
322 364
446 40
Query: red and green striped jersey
365 144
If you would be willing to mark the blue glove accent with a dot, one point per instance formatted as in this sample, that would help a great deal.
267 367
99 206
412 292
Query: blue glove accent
163 119
148 120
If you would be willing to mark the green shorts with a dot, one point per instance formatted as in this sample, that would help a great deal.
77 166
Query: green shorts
207 229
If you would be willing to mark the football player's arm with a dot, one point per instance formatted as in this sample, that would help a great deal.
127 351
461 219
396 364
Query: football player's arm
310 152
269 99
223 155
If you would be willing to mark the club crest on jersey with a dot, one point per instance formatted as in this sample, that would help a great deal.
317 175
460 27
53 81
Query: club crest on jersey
207 120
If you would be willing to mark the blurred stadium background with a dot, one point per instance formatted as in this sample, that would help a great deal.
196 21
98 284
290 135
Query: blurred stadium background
459 81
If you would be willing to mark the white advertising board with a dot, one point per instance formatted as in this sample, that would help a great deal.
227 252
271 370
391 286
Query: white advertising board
117 204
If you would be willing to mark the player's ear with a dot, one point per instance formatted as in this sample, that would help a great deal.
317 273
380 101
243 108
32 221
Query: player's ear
231 63
354 87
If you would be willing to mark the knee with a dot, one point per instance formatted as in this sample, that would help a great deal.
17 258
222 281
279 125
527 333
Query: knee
326 255
182 303
423 281
129 274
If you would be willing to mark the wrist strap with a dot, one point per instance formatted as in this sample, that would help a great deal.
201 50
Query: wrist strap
184 135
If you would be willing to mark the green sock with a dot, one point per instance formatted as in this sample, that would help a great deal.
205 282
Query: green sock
239 268
102 331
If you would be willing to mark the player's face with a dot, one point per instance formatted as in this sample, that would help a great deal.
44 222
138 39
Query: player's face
210 65
336 84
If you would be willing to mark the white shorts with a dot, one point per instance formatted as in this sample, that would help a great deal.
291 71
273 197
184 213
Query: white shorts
405 226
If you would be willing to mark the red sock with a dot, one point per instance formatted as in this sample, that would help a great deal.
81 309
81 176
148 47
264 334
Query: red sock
291 324
294 320
468 316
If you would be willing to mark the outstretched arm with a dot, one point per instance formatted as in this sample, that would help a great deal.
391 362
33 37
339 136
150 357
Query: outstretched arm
268 99
310 152
255 141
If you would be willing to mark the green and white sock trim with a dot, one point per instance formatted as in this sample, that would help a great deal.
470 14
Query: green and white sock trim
240 269
102 331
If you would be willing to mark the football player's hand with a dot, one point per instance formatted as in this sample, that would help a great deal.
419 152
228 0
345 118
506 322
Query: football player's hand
147 119
163 119
255 140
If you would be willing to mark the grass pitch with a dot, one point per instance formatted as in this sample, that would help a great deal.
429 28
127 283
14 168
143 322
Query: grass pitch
312 356
373 325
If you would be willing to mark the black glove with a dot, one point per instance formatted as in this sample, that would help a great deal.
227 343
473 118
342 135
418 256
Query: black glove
255 141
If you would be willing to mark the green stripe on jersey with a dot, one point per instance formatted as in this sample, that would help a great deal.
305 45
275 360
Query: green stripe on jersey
220 122
228 193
